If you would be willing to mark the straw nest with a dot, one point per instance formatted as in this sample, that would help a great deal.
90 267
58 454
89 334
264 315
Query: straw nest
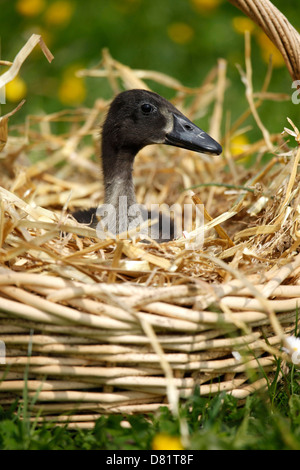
95 326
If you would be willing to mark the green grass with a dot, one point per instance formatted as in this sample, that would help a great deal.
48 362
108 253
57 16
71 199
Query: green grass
269 420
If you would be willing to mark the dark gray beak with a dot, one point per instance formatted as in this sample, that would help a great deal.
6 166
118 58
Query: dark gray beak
187 135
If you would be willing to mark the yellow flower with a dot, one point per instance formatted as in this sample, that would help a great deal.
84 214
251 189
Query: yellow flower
181 33
268 48
30 7
205 6
164 441
238 144
242 24
59 13
72 89
16 90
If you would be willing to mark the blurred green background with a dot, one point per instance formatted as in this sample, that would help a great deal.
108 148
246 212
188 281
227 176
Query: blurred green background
182 38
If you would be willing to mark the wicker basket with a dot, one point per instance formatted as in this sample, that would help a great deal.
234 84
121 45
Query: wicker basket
81 347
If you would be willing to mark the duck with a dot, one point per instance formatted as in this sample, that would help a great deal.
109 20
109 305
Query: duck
137 118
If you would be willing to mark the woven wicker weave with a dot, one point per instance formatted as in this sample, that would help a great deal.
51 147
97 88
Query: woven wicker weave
87 348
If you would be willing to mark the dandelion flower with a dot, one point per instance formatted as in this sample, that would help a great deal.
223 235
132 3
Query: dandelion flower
59 13
238 144
163 441
242 24
181 33
72 91
16 90
269 49
205 6
30 7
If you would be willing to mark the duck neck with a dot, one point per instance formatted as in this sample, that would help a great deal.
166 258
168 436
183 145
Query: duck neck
117 174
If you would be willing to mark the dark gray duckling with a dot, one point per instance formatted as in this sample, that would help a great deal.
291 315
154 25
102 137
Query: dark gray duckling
137 118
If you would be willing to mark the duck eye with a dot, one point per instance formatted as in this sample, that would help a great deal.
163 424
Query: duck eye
146 108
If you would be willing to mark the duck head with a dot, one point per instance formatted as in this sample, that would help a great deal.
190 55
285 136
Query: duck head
137 118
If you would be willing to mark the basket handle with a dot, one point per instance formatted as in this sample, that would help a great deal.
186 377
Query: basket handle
276 26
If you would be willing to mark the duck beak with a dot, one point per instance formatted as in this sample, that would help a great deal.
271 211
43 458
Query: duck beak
187 135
